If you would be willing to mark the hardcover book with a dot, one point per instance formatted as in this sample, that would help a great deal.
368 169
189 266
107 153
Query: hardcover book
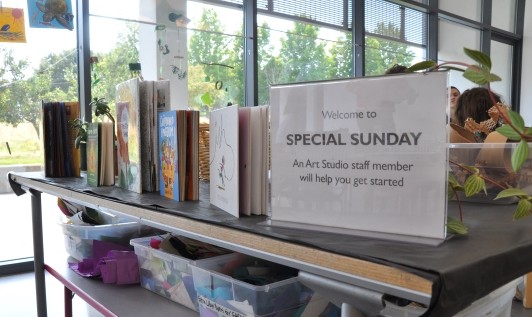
168 155
239 159
61 157
224 159
178 154
128 135
100 151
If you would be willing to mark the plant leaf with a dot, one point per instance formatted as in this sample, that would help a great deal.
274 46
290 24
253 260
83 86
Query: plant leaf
523 209
206 99
509 132
475 75
456 226
421 66
517 120
445 67
478 57
453 185
519 155
511 192
493 77
473 185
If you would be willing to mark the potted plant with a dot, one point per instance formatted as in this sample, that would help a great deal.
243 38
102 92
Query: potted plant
101 108
513 128
81 140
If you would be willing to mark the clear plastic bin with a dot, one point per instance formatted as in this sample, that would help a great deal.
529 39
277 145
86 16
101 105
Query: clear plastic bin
494 161
78 238
170 275
496 304
222 295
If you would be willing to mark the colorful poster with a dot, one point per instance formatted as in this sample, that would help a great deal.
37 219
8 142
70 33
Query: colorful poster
12 27
55 14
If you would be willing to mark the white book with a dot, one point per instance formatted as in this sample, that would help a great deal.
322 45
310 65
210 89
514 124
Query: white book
224 159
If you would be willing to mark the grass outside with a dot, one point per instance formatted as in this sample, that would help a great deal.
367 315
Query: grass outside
24 144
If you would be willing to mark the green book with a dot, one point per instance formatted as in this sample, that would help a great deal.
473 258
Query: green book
100 148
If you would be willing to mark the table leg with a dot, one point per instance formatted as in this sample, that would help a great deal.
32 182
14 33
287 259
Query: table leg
350 311
68 302
38 252
527 296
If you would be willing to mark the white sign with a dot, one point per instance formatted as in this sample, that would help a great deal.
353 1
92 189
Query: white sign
365 154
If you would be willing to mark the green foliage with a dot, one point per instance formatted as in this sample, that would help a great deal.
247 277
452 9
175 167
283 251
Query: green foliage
382 54
474 184
81 131
513 128
456 227
524 206
303 54
101 108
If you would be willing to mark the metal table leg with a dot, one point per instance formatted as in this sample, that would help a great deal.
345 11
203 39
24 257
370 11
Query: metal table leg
38 252
68 302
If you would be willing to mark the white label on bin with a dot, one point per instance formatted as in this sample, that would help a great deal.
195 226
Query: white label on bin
220 310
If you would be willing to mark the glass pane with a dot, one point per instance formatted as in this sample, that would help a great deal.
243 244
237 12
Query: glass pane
470 9
38 62
451 48
503 14
502 54
327 53
197 47
215 57
382 54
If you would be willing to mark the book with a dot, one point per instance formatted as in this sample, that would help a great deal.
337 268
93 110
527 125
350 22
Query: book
100 151
178 154
61 157
147 129
128 135
138 103
168 155
239 159
192 156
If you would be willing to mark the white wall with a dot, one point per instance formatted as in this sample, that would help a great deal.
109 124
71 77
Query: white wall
526 79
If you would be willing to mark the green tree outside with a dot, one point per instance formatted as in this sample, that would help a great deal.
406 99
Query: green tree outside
382 54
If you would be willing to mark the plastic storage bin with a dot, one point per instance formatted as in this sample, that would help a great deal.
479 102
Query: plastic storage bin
494 161
78 238
170 275
496 304
222 295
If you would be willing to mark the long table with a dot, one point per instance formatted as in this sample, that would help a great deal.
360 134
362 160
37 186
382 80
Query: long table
363 274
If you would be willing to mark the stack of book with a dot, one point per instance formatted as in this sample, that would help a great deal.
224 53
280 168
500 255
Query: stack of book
61 158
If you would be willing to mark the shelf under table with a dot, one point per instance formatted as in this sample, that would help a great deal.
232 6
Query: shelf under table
115 300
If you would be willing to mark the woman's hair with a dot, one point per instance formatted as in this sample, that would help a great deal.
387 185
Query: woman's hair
474 103
454 87
396 69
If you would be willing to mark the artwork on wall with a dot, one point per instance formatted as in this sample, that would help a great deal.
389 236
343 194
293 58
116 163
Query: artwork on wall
55 14
12 27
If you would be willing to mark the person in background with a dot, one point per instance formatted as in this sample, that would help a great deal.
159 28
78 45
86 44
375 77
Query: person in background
454 94
396 69
475 112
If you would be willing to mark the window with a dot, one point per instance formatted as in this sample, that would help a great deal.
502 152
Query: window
503 14
394 35
41 67
450 48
